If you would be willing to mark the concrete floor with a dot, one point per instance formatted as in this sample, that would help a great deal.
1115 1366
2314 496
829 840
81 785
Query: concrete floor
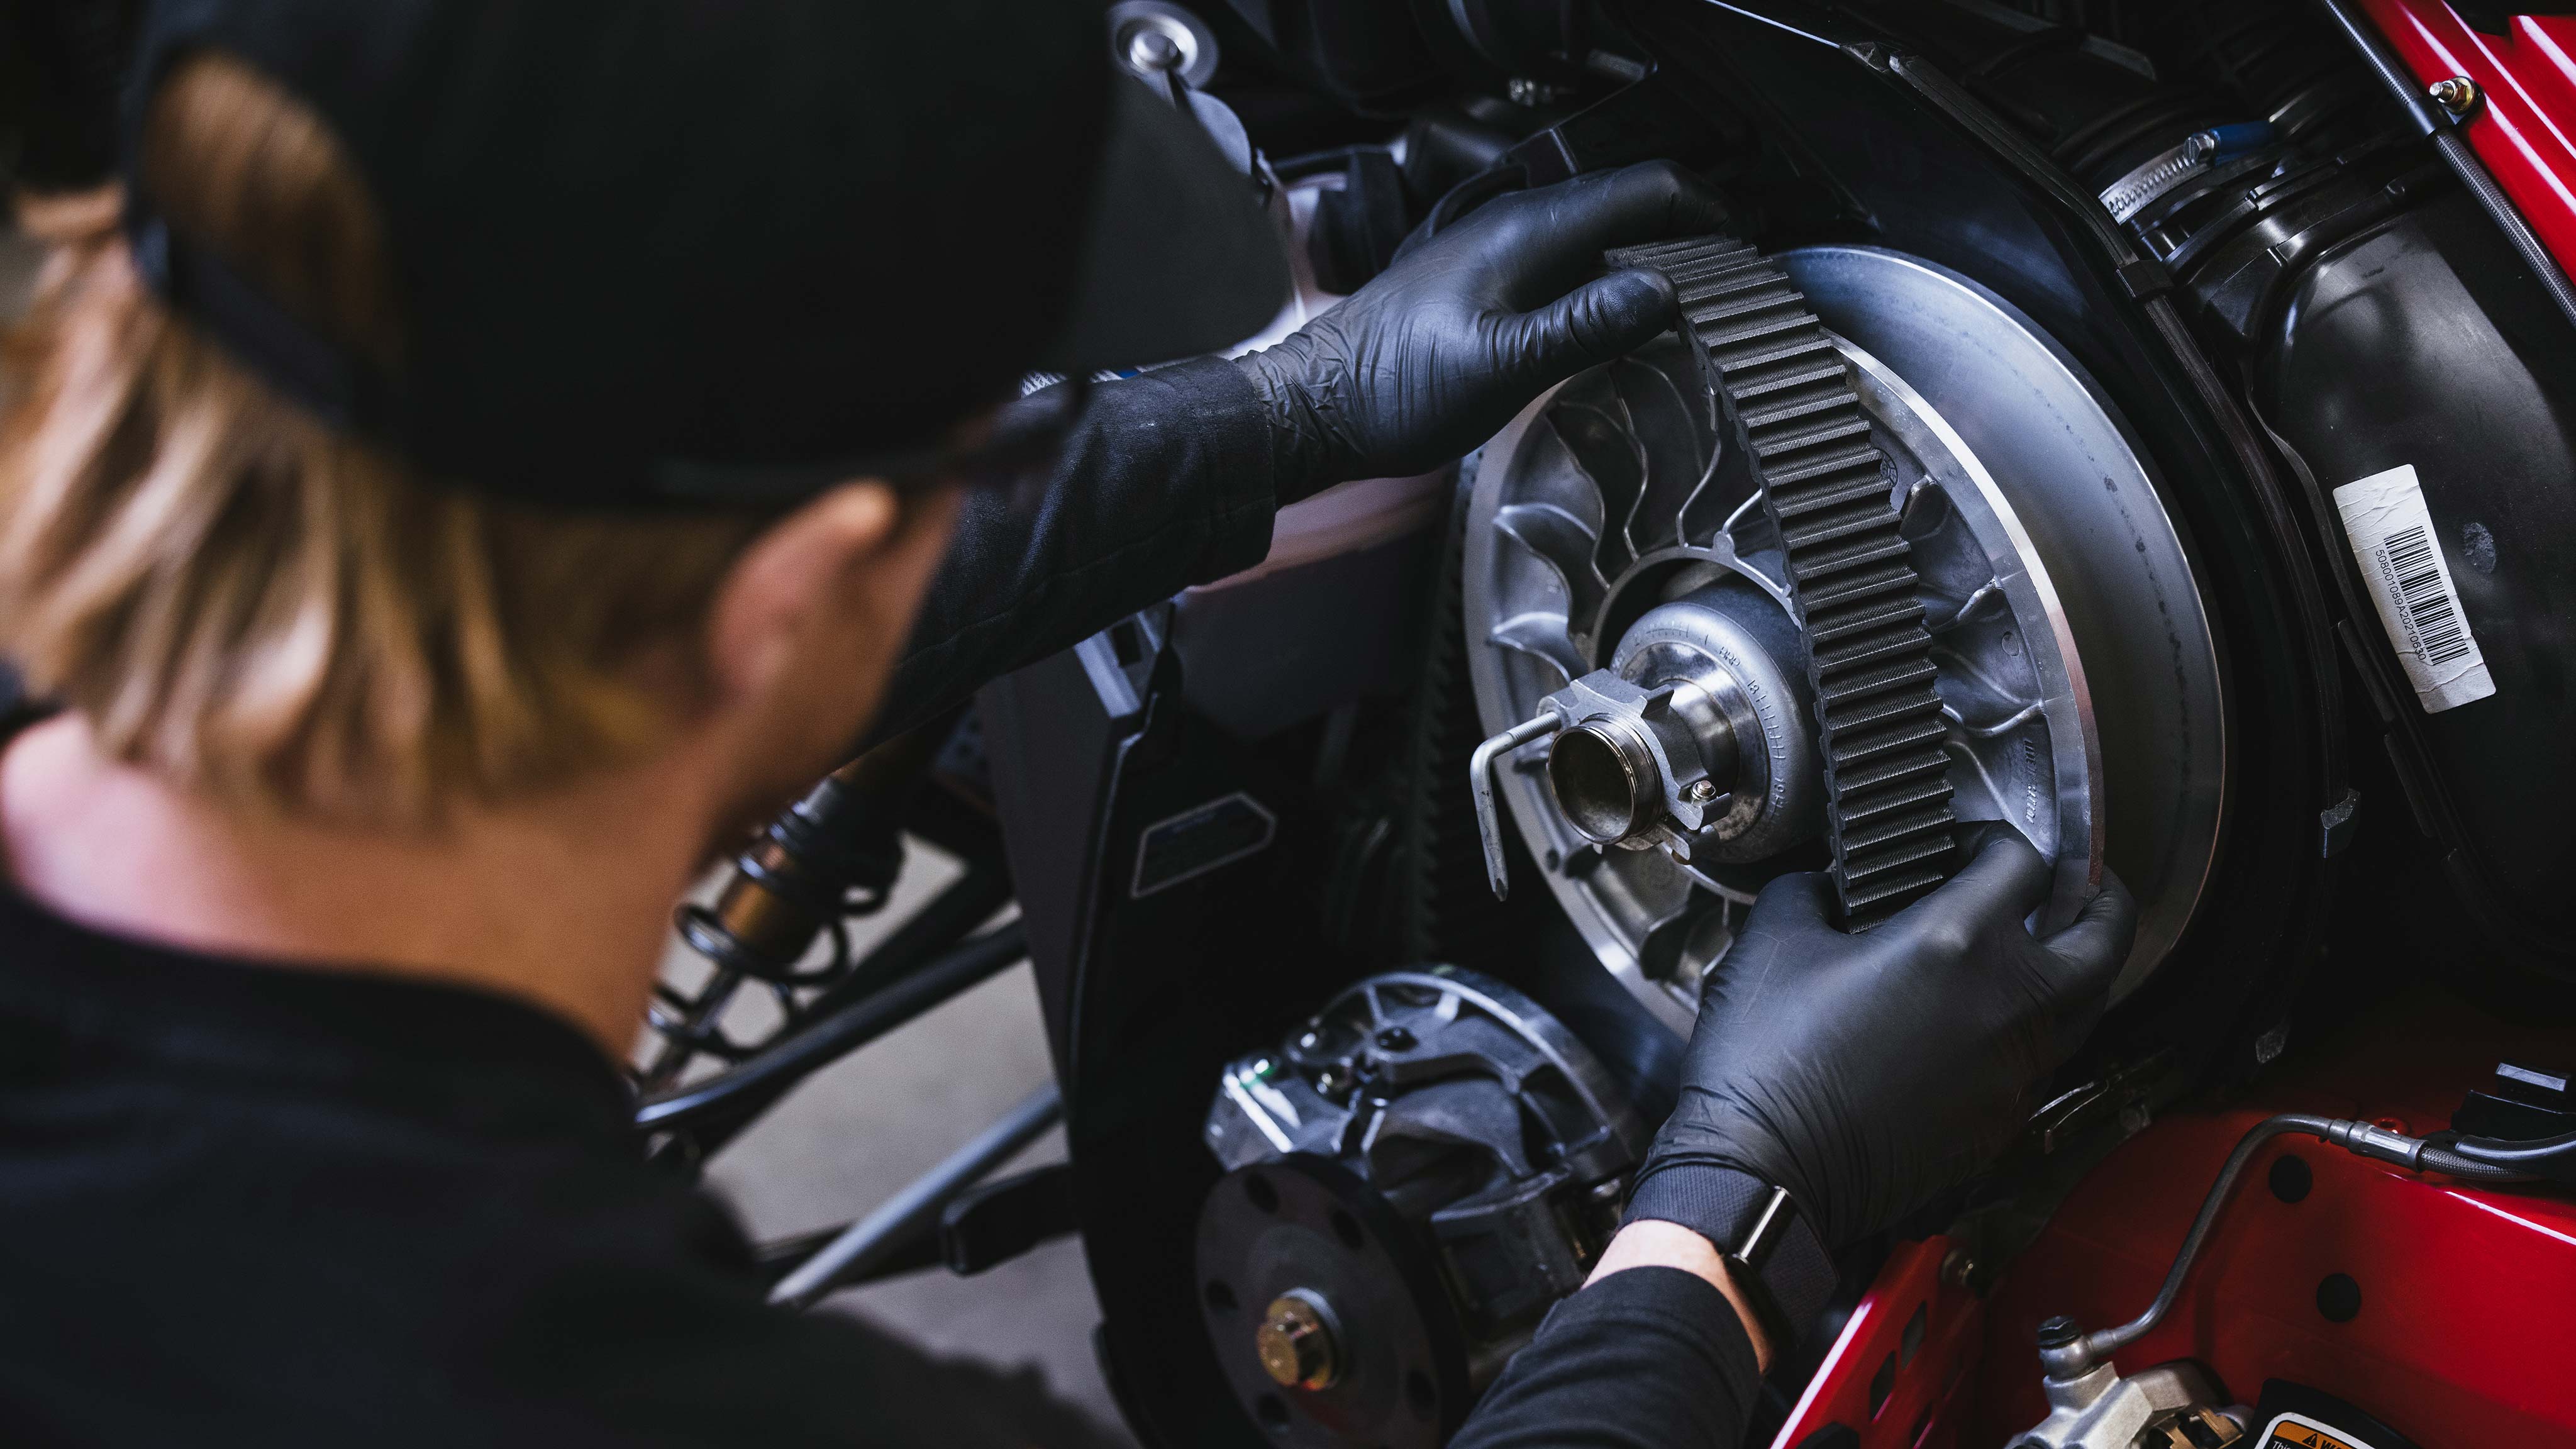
861 1129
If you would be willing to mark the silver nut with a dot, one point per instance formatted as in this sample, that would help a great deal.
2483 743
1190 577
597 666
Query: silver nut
1150 51
1700 792
2455 95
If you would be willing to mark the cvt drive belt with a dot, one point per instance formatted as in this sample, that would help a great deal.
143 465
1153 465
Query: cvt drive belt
1785 397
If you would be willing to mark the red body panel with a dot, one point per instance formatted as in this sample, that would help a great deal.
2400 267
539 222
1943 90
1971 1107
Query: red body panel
2525 128
2466 1333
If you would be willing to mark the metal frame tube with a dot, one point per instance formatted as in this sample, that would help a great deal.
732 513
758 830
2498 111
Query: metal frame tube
761 1080
918 1203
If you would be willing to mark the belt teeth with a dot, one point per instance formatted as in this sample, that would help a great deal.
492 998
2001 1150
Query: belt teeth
1864 655
1825 484
1832 525
1897 824
1868 614
1888 707
1764 365
1835 588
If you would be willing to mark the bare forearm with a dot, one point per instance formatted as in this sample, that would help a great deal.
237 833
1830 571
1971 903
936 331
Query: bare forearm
1650 1244
1652 1353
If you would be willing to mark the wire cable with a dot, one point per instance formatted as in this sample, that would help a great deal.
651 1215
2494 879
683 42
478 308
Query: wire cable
2080 1354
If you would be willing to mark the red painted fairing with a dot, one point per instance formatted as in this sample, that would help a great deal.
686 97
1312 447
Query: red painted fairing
2467 1328
2525 130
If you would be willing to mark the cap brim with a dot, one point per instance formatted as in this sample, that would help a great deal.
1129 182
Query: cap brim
1177 258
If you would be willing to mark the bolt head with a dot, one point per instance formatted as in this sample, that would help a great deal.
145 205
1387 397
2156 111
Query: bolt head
2455 95
2058 1332
1295 1344
1700 792
1152 50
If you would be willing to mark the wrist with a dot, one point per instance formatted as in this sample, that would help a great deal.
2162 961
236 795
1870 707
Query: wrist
1301 453
1776 1254
1649 1243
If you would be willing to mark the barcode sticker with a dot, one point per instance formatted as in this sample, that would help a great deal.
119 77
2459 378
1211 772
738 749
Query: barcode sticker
2401 559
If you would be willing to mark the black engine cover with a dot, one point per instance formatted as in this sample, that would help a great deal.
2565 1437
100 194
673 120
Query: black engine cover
2424 341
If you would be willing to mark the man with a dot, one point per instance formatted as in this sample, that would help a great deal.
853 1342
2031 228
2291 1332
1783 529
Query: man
497 449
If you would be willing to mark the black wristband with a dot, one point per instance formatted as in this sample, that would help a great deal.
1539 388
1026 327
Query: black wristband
1780 1263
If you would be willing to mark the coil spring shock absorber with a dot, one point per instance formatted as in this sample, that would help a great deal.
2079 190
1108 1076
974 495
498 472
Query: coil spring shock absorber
826 860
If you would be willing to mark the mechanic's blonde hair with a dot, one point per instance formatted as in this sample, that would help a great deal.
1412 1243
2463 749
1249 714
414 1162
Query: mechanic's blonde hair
245 600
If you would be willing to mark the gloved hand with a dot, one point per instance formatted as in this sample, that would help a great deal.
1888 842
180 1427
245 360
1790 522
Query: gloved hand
1864 1073
1435 354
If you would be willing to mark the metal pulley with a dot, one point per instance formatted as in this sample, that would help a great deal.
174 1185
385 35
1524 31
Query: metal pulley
1693 740
2042 645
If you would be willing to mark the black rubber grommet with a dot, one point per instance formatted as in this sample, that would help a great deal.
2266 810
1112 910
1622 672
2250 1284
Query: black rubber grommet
2291 1178
2339 1298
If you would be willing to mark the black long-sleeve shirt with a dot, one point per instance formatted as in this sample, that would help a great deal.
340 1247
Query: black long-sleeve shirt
1169 480
245 1203
249 1203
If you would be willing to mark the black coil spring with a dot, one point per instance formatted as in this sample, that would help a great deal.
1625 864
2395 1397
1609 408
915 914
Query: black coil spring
816 868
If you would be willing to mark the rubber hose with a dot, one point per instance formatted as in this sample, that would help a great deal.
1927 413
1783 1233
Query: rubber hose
2485 1158
2443 1159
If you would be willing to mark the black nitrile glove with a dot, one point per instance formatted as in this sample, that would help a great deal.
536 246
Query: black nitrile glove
1865 1073
1439 351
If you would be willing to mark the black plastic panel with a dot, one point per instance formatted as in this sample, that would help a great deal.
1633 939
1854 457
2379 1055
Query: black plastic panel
2424 342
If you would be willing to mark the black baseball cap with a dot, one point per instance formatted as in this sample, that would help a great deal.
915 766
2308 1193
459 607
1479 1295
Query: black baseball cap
703 251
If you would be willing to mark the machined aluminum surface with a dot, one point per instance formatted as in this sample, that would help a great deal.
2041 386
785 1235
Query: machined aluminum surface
2089 501
2052 580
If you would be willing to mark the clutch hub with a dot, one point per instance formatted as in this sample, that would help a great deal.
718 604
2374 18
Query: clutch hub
1858 479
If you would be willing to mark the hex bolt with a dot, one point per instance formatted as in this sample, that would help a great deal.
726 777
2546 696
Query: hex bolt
1295 1343
1700 791
2456 95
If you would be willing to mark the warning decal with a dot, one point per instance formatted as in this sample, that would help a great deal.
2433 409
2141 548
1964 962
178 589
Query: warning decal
2297 1431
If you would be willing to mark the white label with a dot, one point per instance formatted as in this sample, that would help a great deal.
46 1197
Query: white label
2401 559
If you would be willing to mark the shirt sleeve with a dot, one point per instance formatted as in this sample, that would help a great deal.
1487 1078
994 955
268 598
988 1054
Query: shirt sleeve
1169 479
1648 1358
642 1327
